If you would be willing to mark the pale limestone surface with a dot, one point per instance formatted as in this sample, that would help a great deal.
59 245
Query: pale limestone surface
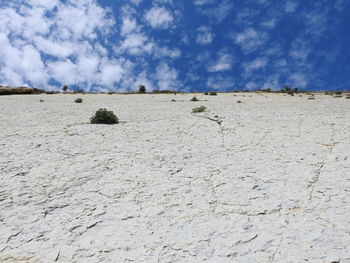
266 180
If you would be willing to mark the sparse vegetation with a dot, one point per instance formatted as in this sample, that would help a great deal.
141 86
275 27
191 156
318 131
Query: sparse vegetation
289 90
142 89
213 93
41 100
173 100
238 101
206 93
199 109
65 88
102 116
78 100
194 98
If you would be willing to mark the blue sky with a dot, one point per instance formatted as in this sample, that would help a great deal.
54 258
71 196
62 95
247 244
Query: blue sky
183 45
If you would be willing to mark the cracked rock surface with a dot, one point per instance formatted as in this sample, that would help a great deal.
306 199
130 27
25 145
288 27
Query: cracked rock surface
266 180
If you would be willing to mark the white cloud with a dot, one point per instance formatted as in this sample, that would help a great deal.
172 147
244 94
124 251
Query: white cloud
219 13
111 73
255 65
223 63
299 80
251 85
250 39
137 44
204 35
166 52
291 6
159 17
203 2
220 83
53 48
270 23
167 77
129 25
68 37
64 71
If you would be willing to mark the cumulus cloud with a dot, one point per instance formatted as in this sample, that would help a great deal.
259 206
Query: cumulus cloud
137 44
51 40
159 17
224 62
204 35
167 77
250 39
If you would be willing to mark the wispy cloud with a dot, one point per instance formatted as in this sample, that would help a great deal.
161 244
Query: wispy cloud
250 39
204 35
219 13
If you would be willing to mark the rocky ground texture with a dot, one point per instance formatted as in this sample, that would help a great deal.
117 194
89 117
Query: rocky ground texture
265 180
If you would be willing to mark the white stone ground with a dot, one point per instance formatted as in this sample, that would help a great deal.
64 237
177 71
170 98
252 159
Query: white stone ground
266 180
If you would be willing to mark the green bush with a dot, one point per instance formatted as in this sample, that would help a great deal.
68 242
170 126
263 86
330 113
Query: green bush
194 99
142 89
238 101
213 93
78 100
206 93
102 116
199 109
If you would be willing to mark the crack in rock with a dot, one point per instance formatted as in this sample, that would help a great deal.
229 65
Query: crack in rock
215 119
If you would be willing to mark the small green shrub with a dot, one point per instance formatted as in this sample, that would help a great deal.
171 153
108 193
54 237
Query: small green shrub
102 116
142 89
173 100
194 99
311 98
78 100
213 93
238 101
41 100
199 109
206 93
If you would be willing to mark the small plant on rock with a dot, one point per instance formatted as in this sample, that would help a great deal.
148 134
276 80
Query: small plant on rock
199 109
78 100
103 116
194 99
